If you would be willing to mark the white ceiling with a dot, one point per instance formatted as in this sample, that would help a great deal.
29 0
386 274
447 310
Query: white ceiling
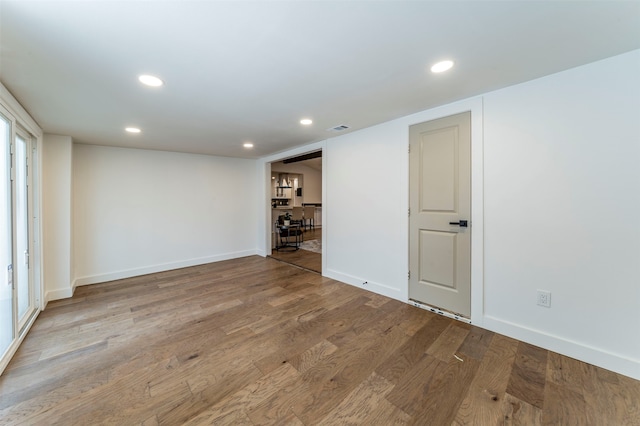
249 71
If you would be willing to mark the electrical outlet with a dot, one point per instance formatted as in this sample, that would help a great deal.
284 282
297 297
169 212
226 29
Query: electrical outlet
544 298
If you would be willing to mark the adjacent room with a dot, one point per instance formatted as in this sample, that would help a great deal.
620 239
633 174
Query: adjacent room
296 202
311 212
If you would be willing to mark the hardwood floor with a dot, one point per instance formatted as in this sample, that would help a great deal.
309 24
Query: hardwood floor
303 258
255 341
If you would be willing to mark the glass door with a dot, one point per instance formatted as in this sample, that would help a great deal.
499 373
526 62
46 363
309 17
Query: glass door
18 295
7 329
22 272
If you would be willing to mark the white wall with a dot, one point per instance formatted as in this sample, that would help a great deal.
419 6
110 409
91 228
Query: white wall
367 201
562 197
556 188
138 211
57 157
365 224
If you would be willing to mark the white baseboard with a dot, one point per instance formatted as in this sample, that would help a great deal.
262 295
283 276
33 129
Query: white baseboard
57 294
378 288
596 356
128 273
607 360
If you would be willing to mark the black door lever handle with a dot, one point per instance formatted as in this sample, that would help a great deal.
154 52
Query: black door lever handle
462 223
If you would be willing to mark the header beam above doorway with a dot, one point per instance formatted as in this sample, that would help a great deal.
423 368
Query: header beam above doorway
303 157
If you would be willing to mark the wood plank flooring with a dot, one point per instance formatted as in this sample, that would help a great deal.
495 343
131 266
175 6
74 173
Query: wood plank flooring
254 341
303 258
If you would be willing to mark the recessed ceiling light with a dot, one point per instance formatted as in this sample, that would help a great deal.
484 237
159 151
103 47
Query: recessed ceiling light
150 80
306 121
248 145
442 66
132 130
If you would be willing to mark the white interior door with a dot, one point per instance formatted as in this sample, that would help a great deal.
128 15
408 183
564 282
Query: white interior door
440 213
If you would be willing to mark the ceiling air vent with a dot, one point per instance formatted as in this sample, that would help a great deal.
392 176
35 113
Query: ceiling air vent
339 128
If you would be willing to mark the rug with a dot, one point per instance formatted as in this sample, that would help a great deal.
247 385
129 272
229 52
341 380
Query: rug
312 245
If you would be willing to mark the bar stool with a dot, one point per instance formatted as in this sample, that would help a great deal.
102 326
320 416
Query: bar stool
296 216
309 213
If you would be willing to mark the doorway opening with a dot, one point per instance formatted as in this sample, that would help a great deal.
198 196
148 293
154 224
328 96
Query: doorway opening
296 211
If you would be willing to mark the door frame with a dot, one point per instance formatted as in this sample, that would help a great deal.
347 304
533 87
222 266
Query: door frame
18 117
475 106
264 171
32 237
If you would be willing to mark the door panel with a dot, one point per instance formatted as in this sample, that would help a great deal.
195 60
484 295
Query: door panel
440 193
438 169
24 293
437 258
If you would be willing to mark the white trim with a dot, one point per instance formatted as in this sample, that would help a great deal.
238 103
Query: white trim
611 361
304 149
63 293
128 273
477 212
38 270
21 115
374 287
325 208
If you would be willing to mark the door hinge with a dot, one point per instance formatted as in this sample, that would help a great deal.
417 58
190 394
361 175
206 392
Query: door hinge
409 211
409 150
409 275
26 258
